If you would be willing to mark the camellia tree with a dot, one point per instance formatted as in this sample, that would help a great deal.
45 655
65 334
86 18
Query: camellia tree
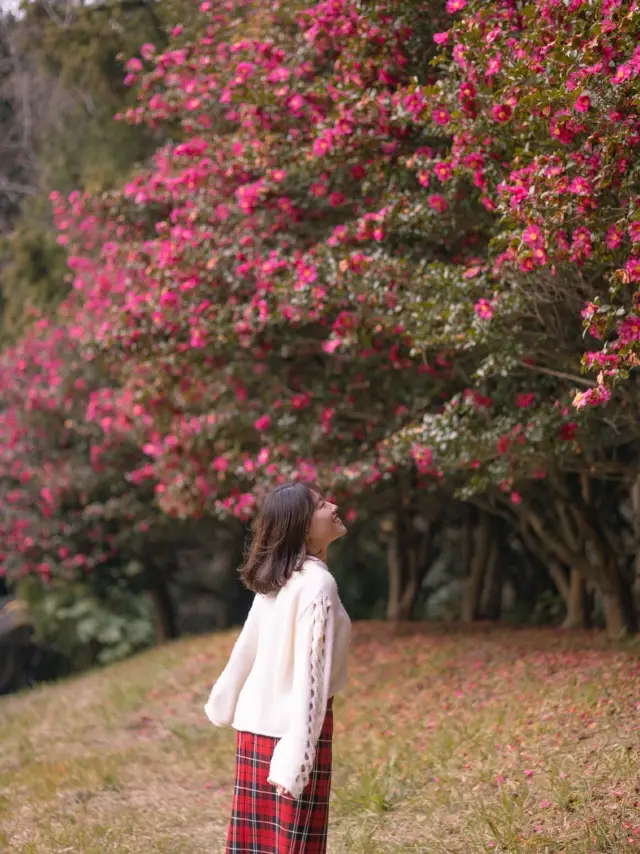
358 236
541 104
71 518
204 283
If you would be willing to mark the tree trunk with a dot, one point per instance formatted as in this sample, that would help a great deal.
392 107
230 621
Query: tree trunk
559 578
617 603
162 611
394 570
408 560
577 603
491 608
478 569
635 504
614 616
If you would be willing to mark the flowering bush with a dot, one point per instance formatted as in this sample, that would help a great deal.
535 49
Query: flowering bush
368 251
225 286
67 508
544 109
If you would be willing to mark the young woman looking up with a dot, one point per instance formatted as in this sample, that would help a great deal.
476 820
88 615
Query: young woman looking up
277 689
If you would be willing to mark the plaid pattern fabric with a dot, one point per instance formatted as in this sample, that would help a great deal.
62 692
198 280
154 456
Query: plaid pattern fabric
263 822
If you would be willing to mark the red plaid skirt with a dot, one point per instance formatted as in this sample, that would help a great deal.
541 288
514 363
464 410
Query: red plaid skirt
263 822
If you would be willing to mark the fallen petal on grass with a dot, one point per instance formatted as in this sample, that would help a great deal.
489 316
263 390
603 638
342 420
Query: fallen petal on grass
514 742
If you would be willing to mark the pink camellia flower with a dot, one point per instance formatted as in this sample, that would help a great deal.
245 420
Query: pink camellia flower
331 345
539 255
532 236
483 309
502 113
443 171
220 464
525 400
441 38
591 397
296 103
441 116
438 203
614 237
629 330
494 65
634 231
582 104
581 245
300 401
263 423
169 299
322 145
307 274
632 268
454 6
422 457
580 186
503 444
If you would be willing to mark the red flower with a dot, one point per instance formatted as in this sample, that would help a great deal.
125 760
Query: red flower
441 116
263 423
502 113
525 400
438 203
568 431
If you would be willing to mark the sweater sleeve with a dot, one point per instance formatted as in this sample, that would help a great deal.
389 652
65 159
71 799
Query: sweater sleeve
221 705
294 755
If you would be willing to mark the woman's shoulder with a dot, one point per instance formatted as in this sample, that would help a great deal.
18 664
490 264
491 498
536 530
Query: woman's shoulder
315 579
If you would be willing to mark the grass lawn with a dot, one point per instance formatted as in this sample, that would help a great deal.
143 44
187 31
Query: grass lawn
445 743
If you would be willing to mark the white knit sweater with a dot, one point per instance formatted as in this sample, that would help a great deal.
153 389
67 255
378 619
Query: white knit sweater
291 656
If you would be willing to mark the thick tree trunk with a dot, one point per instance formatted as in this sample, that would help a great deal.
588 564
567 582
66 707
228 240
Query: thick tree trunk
162 611
478 569
617 602
614 616
578 603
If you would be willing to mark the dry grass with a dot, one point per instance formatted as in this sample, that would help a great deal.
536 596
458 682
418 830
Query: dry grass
445 743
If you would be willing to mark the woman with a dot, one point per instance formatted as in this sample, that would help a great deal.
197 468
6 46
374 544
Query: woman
277 689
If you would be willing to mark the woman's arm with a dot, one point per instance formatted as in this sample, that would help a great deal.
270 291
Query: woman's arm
294 754
221 705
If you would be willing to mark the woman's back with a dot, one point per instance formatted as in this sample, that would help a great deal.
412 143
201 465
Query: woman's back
259 690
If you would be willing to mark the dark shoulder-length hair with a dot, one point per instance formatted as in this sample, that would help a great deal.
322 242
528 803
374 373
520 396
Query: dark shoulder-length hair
277 548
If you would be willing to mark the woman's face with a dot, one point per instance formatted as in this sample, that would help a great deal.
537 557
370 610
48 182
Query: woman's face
325 527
